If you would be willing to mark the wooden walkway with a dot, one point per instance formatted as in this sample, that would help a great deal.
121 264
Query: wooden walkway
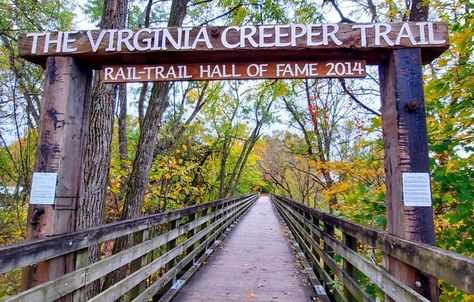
255 263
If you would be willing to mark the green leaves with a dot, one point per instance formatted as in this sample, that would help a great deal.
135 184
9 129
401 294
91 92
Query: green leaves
450 120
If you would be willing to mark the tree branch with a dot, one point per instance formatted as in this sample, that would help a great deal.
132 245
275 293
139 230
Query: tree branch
222 15
341 15
355 99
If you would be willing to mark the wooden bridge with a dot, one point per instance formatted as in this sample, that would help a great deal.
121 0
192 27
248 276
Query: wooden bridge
183 255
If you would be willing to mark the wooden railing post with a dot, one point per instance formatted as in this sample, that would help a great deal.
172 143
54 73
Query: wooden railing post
307 228
169 246
454 269
210 211
138 263
329 230
82 260
191 233
315 236
217 208
202 214
351 243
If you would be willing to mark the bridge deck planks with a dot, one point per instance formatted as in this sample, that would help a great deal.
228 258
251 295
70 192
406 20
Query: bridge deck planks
256 263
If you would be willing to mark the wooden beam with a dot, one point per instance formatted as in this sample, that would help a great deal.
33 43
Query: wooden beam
64 118
371 42
406 150
351 243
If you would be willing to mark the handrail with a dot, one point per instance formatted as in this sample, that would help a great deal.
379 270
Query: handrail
189 233
30 252
305 224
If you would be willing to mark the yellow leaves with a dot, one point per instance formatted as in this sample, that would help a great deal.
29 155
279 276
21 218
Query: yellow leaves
442 62
280 88
338 188
193 95
336 167
459 39
441 224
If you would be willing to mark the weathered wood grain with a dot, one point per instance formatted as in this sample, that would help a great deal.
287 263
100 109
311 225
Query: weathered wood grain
298 242
351 243
64 118
406 150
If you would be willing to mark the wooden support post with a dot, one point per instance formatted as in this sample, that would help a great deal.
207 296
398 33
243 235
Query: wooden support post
217 208
350 242
169 246
190 234
82 260
203 213
406 150
316 238
63 124
138 263
307 228
329 229
210 211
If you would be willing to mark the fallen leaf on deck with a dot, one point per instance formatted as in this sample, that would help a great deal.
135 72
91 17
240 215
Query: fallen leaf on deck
250 294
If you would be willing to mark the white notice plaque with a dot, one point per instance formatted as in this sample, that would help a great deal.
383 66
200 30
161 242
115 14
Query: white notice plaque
43 188
416 189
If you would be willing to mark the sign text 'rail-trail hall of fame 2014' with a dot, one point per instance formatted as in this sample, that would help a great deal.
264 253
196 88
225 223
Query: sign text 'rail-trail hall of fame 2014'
236 52
236 71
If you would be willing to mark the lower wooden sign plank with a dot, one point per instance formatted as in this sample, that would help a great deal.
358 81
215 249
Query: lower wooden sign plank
234 71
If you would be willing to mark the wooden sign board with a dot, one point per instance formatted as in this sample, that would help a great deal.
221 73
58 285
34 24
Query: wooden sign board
296 42
233 71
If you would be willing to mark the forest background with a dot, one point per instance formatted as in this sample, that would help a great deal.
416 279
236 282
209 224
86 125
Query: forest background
159 146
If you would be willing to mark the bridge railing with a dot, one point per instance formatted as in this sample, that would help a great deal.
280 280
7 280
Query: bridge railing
331 245
165 250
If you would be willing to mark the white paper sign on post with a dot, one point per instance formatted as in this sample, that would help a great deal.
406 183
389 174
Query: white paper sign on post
43 188
416 189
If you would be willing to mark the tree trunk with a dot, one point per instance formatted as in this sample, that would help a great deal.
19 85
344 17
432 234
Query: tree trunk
248 147
122 124
222 169
99 142
139 176
419 11
141 104
138 180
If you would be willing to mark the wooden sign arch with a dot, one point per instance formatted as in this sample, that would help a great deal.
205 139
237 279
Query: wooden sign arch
239 52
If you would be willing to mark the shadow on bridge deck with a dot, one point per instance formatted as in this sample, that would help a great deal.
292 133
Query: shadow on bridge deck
255 263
